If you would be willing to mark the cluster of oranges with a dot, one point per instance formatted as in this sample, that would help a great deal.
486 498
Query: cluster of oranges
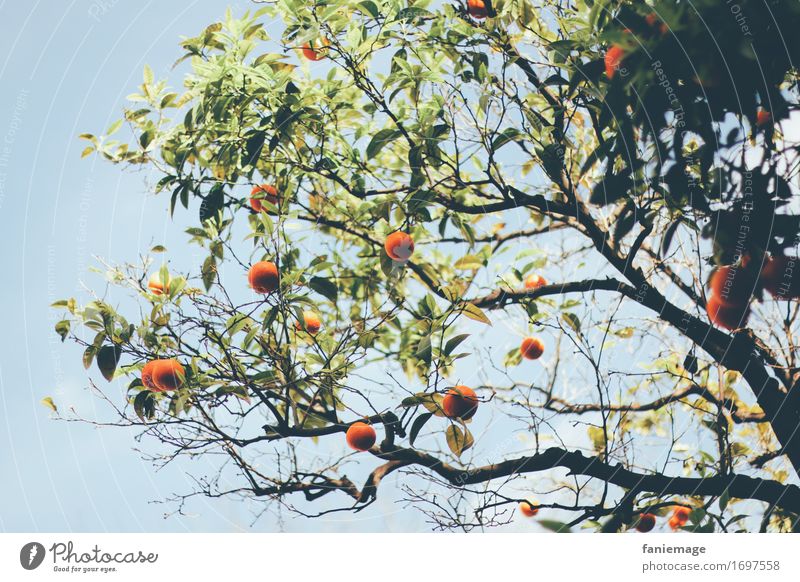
678 519
731 287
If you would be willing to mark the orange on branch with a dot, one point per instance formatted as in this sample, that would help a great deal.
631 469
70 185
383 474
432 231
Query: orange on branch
724 315
777 277
613 60
529 508
163 375
460 402
647 521
261 193
360 436
535 281
732 285
477 9
155 284
311 322
399 246
315 53
264 277
531 348
763 117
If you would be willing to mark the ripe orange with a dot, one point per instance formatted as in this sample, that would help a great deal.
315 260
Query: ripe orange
260 193
763 117
613 60
460 402
647 521
155 285
263 277
147 375
732 285
529 508
315 53
777 277
477 9
311 322
679 517
531 348
163 375
360 436
399 246
653 21
724 315
535 281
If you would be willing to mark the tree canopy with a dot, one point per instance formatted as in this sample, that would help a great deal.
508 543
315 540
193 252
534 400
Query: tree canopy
599 203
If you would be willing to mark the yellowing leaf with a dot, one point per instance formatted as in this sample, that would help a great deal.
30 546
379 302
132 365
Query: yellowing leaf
475 312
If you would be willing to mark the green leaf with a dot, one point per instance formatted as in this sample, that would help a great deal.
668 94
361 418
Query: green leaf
107 360
458 439
144 405
62 329
469 262
453 343
419 422
572 320
209 271
48 402
212 203
424 350
325 287
556 526
475 312
380 140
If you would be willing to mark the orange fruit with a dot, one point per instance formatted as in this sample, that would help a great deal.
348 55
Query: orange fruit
535 281
315 53
155 285
724 315
460 402
399 246
477 9
163 375
529 508
613 60
263 277
763 117
261 193
360 436
777 277
531 348
732 285
647 521
311 322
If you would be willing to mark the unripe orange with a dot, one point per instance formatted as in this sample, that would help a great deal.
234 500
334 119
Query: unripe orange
261 193
647 521
263 277
531 348
311 322
163 375
477 9
360 436
613 59
535 281
529 508
460 402
727 316
399 246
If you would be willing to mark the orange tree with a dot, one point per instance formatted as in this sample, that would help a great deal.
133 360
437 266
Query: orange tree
398 201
